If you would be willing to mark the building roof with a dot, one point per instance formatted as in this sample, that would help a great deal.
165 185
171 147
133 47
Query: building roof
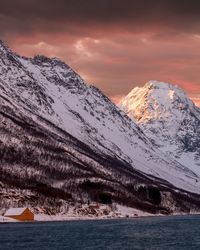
15 211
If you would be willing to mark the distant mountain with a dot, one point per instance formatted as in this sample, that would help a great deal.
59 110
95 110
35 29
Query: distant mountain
169 119
63 142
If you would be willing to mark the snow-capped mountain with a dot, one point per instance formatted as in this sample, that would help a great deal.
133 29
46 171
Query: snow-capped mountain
64 139
169 119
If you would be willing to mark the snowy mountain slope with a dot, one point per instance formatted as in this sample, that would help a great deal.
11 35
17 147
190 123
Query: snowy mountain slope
61 134
169 119
44 167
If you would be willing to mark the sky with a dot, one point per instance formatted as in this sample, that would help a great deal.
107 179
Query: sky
113 44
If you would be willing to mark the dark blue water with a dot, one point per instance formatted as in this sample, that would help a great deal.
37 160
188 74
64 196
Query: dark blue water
163 233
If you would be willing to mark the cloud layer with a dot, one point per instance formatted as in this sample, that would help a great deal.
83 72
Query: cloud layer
113 44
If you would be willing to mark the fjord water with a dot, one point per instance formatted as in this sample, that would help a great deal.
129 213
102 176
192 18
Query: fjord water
165 233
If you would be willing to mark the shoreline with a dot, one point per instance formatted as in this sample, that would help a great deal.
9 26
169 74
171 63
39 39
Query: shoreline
69 219
93 212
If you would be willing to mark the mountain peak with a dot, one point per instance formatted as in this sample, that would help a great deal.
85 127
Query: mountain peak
159 103
167 117
158 99
3 46
163 87
160 85
40 59
1 42
5 50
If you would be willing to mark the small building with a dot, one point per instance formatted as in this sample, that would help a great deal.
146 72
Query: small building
20 213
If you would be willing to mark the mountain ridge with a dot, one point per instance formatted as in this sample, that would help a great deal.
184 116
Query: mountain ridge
65 141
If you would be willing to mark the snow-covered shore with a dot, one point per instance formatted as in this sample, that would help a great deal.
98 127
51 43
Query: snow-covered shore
88 213
95 213
4 219
103 212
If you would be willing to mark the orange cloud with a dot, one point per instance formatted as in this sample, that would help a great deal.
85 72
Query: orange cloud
116 61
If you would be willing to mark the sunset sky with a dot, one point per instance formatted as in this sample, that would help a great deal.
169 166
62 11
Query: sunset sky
113 44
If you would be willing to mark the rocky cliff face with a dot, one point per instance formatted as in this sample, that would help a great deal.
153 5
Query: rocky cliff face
63 142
